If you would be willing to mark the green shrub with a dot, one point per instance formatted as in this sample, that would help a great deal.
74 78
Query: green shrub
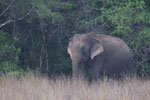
9 54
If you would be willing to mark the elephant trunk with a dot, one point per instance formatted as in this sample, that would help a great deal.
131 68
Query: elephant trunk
75 68
79 70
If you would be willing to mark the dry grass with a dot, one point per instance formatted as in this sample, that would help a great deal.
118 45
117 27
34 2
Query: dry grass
40 88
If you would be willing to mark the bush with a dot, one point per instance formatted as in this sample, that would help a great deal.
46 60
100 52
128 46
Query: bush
8 53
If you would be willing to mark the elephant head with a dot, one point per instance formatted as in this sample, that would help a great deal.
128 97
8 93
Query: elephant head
82 49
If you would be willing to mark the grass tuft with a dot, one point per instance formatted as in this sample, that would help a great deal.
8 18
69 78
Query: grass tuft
42 88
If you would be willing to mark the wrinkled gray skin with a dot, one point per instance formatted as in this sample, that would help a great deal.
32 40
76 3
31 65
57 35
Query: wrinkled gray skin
104 54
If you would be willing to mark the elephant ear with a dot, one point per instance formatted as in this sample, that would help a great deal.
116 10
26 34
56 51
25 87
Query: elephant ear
96 48
69 48
69 52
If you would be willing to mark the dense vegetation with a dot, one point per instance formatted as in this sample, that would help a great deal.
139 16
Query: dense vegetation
34 33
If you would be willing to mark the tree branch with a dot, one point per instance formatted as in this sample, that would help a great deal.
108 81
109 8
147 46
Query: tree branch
15 20
28 13
7 8
5 23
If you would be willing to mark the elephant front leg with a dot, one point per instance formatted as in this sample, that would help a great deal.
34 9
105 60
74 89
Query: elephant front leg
84 70
96 68
95 73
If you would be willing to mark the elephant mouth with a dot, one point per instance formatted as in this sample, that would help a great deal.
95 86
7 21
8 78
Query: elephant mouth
86 63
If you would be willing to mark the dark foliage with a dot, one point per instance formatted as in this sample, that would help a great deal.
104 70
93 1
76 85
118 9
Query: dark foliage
35 33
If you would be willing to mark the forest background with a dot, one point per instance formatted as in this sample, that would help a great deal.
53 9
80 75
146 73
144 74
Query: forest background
34 34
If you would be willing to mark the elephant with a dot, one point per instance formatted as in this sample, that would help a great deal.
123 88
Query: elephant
103 54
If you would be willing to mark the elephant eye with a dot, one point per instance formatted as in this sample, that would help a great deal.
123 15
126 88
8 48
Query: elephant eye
85 54
84 51
83 48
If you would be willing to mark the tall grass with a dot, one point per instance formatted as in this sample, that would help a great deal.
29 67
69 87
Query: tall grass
42 88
